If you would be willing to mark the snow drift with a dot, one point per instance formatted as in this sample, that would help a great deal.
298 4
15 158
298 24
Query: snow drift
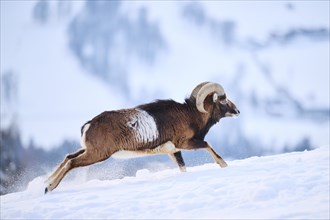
292 185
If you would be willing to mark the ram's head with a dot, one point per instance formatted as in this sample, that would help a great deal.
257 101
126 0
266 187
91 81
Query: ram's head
211 99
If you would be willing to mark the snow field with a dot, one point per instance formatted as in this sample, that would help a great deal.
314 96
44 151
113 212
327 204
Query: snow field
292 185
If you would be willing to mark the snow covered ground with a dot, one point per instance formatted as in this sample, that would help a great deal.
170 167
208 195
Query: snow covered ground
292 185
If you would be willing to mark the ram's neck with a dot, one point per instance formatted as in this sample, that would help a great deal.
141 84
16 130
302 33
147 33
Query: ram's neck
200 122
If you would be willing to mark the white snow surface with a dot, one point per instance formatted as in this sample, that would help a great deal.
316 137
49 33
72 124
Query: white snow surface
286 186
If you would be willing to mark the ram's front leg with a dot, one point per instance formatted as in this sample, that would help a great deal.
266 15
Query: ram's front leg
177 158
199 144
218 159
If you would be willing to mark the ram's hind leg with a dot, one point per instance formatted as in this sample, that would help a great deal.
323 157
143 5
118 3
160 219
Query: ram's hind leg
84 159
60 166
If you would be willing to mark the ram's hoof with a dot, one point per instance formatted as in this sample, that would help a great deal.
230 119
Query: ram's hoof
223 164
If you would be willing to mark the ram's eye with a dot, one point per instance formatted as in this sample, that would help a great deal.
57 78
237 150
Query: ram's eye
224 102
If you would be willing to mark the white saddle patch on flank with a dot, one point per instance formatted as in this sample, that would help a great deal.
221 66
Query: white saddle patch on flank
144 126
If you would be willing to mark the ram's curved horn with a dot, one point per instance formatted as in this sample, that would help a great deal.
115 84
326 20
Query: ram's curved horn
196 90
203 90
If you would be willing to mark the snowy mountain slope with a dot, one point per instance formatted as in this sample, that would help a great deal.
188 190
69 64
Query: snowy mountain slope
292 185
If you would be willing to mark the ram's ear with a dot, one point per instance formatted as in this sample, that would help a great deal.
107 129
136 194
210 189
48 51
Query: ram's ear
215 97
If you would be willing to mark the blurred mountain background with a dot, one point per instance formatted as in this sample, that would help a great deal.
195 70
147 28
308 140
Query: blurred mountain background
64 62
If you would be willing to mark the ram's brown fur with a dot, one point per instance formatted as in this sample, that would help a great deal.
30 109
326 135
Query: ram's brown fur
179 126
